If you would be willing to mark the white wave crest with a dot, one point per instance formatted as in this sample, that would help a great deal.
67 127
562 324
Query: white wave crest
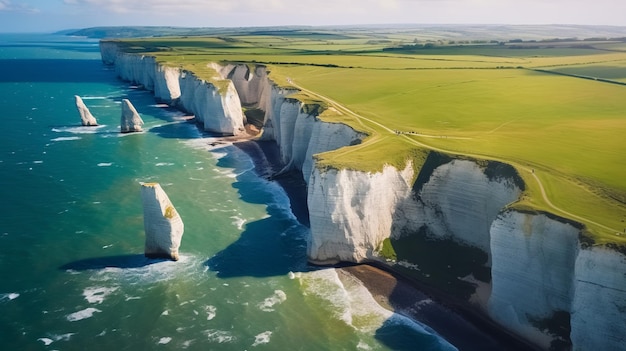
219 336
79 129
150 271
97 294
66 138
53 338
211 312
83 314
9 296
238 221
164 340
356 306
268 304
262 338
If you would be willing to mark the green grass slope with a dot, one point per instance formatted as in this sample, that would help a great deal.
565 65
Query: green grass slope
554 109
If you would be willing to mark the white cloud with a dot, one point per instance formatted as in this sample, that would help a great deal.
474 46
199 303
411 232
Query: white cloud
8 6
281 12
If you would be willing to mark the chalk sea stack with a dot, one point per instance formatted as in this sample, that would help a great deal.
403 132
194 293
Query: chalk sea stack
163 225
86 118
131 121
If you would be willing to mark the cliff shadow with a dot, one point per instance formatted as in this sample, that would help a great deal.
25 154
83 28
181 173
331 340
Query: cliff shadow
266 158
118 261
271 246
178 129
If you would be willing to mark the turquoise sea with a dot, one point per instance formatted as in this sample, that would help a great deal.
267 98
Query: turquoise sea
73 275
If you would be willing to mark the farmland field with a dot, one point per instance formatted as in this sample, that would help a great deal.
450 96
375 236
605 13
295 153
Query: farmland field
555 110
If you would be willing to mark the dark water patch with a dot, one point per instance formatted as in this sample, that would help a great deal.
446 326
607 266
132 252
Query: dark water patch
119 261
272 246
266 158
82 47
266 248
179 130
53 71
403 337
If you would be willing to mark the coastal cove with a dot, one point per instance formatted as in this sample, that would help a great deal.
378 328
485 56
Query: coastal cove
72 236
445 206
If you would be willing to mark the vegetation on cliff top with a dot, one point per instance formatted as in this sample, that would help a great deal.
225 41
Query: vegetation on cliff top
554 109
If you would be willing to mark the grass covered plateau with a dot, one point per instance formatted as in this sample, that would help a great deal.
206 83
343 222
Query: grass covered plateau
555 109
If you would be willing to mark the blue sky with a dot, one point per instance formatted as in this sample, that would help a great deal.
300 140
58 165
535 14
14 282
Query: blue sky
52 15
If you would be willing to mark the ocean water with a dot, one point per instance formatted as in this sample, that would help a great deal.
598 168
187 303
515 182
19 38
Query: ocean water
73 275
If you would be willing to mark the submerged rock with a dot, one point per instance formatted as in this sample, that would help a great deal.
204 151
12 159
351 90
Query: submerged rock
86 118
163 226
131 121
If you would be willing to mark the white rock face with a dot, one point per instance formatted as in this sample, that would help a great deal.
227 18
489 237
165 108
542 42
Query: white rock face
345 209
130 120
219 110
533 259
109 52
326 137
86 118
250 84
599 306
166 84
163 225
460 202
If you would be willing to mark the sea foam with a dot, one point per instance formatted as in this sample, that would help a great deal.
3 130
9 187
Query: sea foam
219 336
262 338
66 138
268 304
83 314
97 294
356 306
9 296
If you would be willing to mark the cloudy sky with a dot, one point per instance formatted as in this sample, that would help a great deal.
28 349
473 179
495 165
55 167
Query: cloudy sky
52 15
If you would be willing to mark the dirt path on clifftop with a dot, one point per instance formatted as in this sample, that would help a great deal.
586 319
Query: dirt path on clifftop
407 138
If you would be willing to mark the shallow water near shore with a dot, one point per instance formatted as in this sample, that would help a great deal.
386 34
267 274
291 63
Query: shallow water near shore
71 230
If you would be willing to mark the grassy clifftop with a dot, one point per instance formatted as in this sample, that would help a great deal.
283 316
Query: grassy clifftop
554 109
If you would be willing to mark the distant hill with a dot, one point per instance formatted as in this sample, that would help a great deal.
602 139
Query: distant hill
429 31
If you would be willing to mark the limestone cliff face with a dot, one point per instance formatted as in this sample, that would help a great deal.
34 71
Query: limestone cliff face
598 312
218 109
348 222
163 225
533 270
86 118
460 201
540 269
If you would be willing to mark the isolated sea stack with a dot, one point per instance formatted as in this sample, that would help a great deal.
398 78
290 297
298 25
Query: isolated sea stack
163 226
131 121
86 118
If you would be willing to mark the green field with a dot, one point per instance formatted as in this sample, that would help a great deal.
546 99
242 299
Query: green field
555 110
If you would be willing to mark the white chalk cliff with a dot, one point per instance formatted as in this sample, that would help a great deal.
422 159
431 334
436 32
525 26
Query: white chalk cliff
217 108
163 225
540 267
86 118
130 120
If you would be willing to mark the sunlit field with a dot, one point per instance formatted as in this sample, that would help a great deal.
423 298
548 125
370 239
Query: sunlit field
554 109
